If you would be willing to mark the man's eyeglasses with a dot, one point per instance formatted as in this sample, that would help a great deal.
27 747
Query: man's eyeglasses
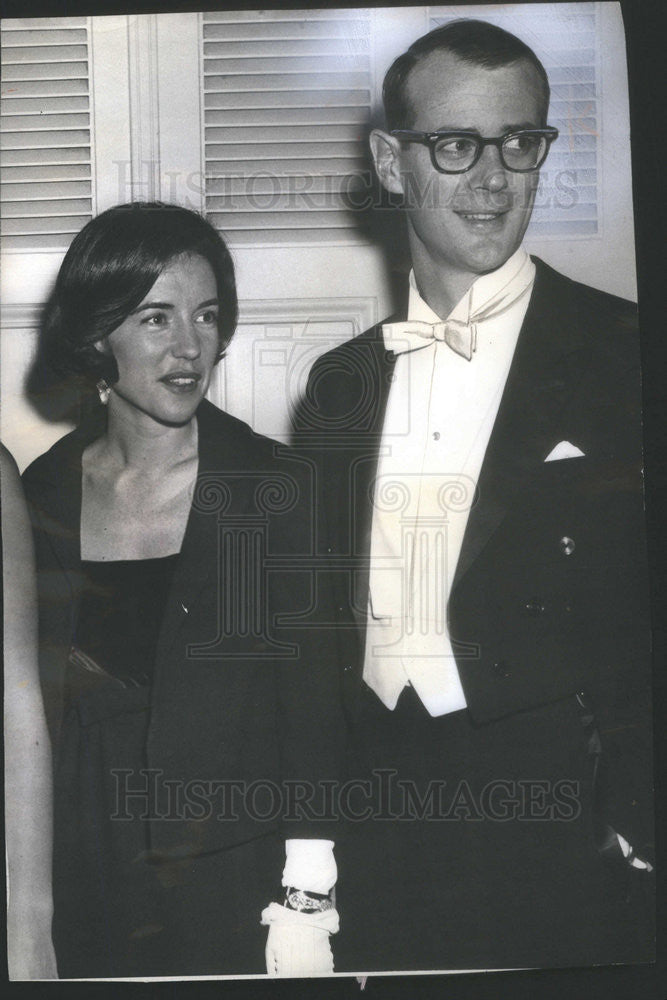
456 152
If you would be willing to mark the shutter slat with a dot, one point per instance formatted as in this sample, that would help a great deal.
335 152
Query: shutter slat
290 117
33 208
575 141
228 152
48 33
573 91
308 79
566 56
43 54
554 227
43 191
578 123
289 66
43 105
45 139
25 123
296 48
285 100
32 241
45 226
314 134
50 71
565 107
45 88
559 200
36 157
50 172
571 74
269 201
306 30
223 189
271 17
298 167
567 157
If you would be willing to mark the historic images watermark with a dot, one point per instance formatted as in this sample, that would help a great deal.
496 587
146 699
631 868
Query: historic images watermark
146 794
358 191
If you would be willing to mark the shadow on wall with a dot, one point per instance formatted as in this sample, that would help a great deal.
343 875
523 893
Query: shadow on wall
377 214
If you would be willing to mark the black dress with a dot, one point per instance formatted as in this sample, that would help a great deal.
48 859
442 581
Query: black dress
121 909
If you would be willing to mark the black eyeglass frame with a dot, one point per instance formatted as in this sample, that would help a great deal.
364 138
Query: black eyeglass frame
430 139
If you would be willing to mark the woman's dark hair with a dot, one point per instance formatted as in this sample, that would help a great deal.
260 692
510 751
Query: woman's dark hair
476 42
111 266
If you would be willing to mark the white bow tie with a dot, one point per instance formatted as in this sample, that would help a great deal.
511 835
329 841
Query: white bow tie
459 336
415 334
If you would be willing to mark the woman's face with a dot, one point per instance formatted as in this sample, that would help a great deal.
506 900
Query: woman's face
166 348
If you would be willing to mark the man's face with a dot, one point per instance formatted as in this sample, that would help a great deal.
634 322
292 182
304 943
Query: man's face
468 224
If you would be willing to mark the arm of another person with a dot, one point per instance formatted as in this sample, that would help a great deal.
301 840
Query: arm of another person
312 757
28 775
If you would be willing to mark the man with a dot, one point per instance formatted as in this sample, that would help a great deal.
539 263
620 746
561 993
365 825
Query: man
479 457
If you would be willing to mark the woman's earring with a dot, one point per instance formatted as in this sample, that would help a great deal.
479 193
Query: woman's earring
104 391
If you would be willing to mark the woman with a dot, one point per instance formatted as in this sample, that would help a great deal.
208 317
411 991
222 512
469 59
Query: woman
28 791
176 702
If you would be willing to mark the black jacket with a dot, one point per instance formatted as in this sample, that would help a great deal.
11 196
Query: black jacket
245 687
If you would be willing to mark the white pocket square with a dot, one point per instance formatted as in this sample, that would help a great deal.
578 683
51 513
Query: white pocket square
564 450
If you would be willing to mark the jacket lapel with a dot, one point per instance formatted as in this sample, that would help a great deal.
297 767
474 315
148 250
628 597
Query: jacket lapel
222 459
354 462
547 366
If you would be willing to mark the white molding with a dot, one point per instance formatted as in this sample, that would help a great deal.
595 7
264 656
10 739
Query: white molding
110 111
179 95
21 316
144 111
360 311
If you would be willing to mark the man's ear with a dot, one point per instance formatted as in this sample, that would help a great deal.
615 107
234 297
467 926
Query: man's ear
386 150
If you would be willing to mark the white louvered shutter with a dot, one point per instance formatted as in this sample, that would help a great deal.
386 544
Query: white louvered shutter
46 194
564 37
286 100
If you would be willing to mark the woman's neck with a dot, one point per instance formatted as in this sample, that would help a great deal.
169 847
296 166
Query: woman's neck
136 441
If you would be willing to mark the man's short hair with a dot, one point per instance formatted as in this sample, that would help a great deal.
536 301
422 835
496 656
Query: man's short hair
476 42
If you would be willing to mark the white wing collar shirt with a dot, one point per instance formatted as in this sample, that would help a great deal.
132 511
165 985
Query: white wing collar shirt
448 381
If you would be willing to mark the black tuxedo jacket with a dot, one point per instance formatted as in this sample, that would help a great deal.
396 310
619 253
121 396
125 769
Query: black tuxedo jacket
241 691
550 593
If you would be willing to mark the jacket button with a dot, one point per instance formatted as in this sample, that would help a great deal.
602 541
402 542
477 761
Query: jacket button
567 545
501 669
534 607
347 668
